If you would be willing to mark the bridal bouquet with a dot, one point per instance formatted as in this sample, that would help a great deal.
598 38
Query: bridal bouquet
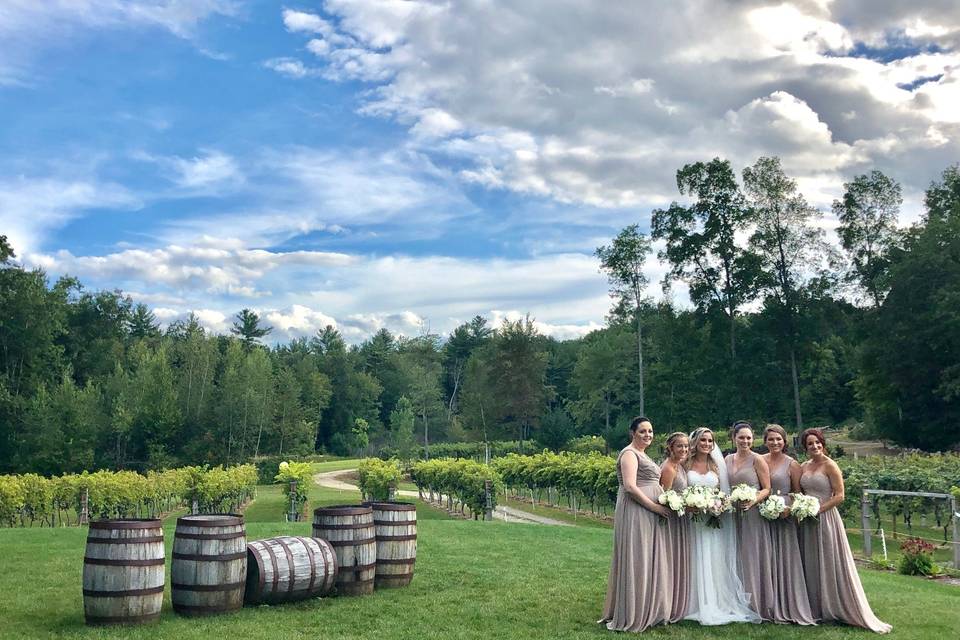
773 507
743 494
673 501
706 501
804 506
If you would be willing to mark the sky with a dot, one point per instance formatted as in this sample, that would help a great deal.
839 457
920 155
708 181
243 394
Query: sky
411 164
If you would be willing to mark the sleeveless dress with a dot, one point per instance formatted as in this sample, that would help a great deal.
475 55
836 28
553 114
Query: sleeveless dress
678 532
833 583
638 587
716 592
792 603
754 548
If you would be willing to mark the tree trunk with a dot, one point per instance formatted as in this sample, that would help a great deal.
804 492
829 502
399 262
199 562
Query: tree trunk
733 336
426 436
640 356
453 396
796 387
606 407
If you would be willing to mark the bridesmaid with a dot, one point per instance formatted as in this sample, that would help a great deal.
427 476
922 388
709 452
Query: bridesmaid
790 587
754 546
673 475
638 588
833 583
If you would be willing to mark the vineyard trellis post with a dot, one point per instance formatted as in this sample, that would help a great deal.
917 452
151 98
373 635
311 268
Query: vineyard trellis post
293 516
488 505
955 515
84 508
865 517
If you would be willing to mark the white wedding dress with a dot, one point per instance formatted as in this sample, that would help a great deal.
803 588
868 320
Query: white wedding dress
716 592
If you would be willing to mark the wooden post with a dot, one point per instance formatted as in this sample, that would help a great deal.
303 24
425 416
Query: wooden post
84 507
194 507
955 515
391 494
293 516
488 503
865 524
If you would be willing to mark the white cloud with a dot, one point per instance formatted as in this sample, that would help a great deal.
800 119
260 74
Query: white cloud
28 26
206 173
299 190
301 292
31 208
306 22
231 272
290 67
600 104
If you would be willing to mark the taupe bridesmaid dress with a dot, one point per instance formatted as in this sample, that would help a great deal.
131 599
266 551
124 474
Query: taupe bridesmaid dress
833 583
754 547
678 532
792 603
638 587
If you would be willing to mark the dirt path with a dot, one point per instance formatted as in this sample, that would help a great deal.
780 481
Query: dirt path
335 480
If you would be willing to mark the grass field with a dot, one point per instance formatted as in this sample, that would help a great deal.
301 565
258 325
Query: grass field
473 580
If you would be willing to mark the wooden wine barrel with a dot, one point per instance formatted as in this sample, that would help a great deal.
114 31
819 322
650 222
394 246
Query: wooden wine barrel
395 525
209 567
289 568
349 530
123 572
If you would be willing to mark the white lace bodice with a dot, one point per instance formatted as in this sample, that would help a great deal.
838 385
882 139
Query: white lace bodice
708 480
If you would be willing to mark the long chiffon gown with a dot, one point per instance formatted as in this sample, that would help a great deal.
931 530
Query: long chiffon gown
716 593
833 583
754 546
638 587
792 603
678 531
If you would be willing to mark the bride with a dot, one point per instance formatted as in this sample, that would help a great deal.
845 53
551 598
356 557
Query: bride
716 593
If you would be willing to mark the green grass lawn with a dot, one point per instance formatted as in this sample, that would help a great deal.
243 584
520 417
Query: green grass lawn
557 513
473 580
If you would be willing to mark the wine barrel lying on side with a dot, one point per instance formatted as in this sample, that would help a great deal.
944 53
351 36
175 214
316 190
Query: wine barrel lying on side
395 524
349 530
209 566
123 573
289 568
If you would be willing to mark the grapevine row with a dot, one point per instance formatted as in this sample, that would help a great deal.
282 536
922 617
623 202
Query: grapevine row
29 498
472 450
591 477
378 478
464 482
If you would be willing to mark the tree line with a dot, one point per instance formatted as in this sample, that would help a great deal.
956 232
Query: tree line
784 327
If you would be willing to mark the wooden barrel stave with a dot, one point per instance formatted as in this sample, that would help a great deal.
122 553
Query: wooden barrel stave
289 568
209 567
349 530
395 524
123 572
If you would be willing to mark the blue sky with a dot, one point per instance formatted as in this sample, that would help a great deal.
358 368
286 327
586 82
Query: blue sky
411 164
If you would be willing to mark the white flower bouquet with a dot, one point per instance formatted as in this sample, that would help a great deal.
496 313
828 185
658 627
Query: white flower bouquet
673 501
773 507
706 501
804 507
743 494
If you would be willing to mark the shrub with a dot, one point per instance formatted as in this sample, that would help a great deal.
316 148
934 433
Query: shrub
301 472
378 477
917 558
11 499
587 444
